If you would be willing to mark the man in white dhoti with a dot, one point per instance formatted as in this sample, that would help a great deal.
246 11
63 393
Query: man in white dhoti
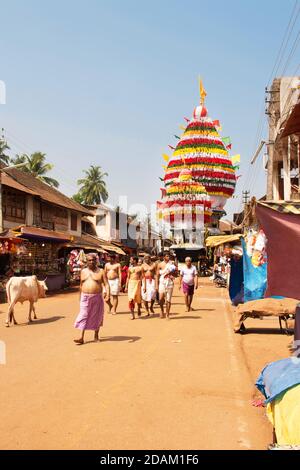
148 284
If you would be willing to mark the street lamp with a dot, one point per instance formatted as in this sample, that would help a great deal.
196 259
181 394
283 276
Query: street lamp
1 208
258 151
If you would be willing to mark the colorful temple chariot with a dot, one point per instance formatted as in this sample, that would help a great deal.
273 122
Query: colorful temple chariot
202 150
186 207
198 180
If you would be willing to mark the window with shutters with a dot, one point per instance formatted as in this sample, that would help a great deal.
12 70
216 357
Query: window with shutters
74 222
14 205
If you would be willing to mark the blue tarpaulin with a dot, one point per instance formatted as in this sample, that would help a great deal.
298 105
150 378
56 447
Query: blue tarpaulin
277 377
255 277
236 283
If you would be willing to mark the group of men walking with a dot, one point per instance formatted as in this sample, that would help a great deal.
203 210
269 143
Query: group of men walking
147 281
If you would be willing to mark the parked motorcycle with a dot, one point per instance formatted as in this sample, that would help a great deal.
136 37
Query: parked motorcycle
204 271
220 280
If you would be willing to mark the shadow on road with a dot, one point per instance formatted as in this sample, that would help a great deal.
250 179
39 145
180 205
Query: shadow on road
130 339
45 320
204 309
40 321
148 317
265 331
186 317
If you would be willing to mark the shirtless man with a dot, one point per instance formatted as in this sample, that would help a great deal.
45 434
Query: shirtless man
90 317
158 259
114 276
165 275
148 290
133 286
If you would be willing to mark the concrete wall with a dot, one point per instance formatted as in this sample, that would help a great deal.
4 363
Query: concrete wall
103 231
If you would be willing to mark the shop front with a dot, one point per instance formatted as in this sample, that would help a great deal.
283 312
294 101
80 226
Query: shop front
75 252
11 248
41 256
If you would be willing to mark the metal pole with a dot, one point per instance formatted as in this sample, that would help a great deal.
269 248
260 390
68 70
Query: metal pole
286 171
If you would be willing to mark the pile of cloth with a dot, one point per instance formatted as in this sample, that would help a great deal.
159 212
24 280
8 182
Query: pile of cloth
271 306
279 382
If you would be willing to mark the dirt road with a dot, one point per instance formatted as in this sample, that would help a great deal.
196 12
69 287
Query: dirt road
149 384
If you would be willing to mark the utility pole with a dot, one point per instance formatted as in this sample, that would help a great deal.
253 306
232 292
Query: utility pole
246 196
273 111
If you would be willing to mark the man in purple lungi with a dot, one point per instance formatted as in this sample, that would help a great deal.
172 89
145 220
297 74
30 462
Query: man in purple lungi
189 282
91 312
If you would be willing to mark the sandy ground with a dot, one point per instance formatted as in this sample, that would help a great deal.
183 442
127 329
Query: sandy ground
186 383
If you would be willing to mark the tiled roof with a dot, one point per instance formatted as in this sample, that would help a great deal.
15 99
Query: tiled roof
34 186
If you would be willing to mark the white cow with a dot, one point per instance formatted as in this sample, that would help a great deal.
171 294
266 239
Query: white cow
19 289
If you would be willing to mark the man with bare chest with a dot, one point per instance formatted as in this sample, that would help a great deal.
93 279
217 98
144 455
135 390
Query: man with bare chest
114 276
148 288
133 287
91 313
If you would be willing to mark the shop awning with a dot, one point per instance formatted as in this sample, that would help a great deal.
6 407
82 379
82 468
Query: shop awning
86 242
112 248
104 245
90 242
37 233
282 206
186 246
84 246
221 239
11 236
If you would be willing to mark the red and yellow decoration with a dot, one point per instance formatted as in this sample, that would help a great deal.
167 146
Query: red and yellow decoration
201 150
185 198
199 174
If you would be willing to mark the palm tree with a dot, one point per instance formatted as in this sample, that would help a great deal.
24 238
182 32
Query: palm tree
3 148
93 187
78 198
37 166
18 159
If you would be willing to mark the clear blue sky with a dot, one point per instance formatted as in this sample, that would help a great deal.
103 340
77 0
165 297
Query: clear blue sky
109 82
